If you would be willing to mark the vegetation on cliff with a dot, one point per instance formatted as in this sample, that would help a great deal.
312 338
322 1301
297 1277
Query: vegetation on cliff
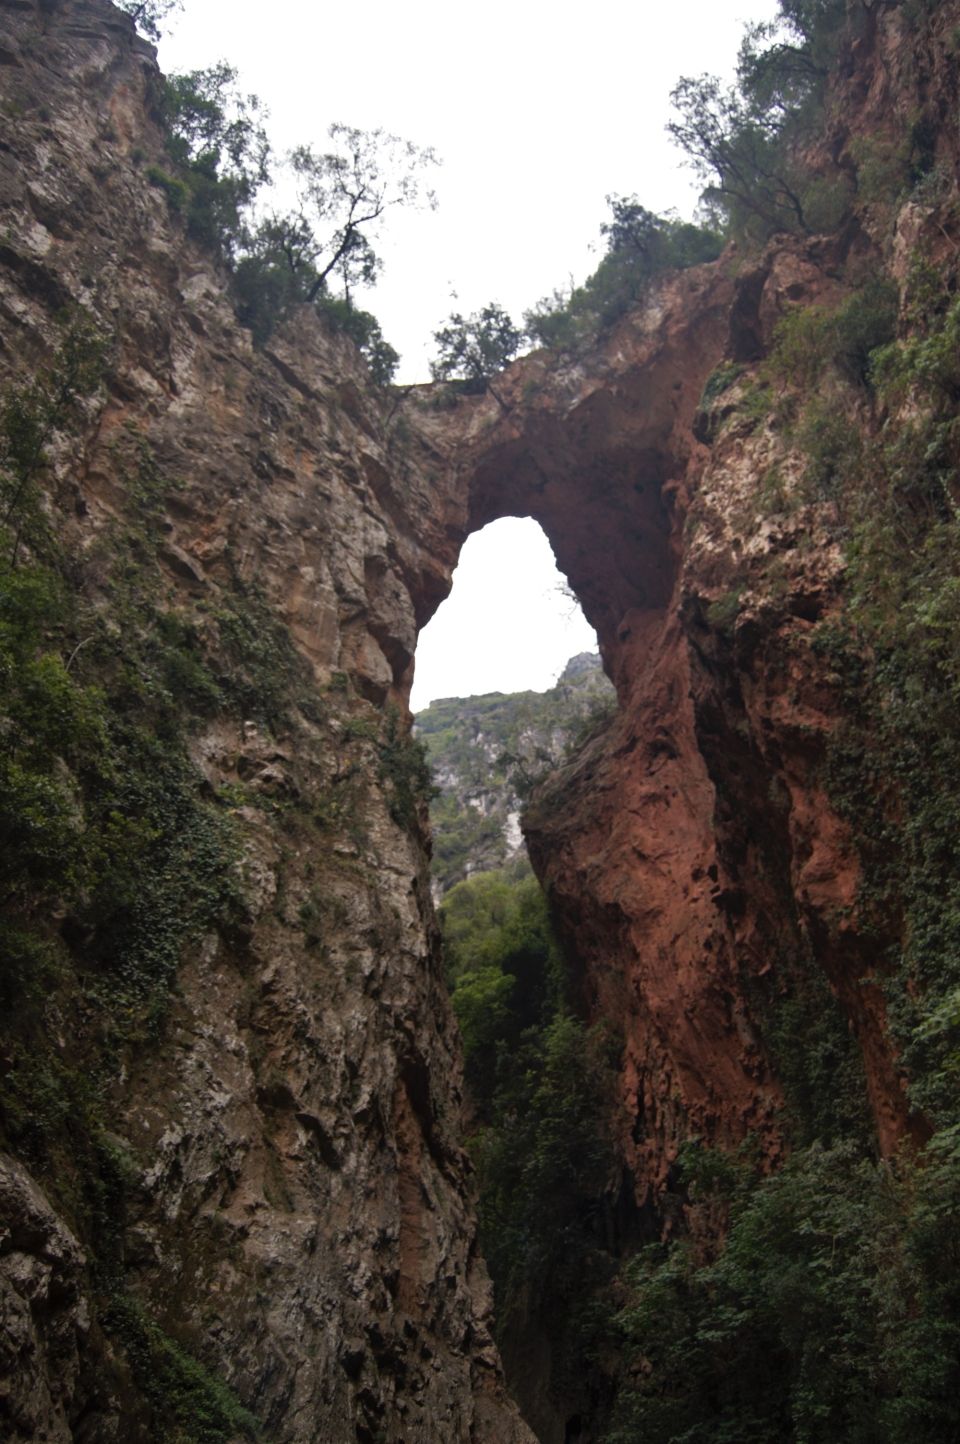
811 1295
820 1302
112 856
541 1090
829 1313
639 247
223 160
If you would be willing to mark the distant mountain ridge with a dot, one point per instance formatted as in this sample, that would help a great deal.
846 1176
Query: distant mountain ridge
487 753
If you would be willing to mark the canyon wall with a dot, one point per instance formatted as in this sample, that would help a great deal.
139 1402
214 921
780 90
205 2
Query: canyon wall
295 1213
237 1185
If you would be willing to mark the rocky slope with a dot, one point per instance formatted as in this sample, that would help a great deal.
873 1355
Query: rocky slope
487 753
233 1184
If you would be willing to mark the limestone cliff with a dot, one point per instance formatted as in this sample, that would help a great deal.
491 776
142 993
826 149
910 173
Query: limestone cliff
267 1195
234 1192
487 752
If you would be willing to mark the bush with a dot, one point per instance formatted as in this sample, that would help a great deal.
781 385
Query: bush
719 381
217 140
640 247
472 349
31 414
748 142
404 772
850 338
216 137
541 1091
179 1388
833 447
149 15
824 1317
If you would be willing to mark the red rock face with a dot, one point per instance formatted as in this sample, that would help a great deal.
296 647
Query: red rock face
626 840
692 850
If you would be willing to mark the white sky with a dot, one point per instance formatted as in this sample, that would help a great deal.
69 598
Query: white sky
538 110
505 626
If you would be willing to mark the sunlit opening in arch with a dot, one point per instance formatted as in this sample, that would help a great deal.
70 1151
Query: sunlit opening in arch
507 626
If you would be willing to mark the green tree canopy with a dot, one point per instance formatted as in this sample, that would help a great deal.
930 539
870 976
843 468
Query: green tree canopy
474 348
318 252
640 246
746 142
149 15
344 194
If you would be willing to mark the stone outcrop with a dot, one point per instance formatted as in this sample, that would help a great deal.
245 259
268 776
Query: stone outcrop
672 895
298 1212
44 1317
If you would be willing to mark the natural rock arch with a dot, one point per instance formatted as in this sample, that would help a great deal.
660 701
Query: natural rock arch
628 851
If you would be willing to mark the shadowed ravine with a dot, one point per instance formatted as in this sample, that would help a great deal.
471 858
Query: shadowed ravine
235 1199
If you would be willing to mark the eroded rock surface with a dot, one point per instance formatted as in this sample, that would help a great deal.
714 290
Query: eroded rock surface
297 1210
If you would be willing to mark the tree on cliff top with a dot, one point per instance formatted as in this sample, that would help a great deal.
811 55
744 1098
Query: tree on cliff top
216 136
346 191
149 15
321 251
640 246
473 348
315 254
746 142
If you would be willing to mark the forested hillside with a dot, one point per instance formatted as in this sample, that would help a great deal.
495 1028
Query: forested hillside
488 753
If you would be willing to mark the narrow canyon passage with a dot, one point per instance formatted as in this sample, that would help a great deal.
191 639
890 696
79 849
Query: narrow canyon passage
242 1064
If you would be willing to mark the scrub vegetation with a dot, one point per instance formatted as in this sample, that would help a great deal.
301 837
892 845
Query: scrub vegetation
817 1303
116 859
541 1091
314 255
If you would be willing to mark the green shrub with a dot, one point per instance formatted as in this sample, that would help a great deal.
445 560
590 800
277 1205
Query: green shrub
176 191
824 1317
750 143
723 613
719 381
850 338
827 201
404 771
640 247
893 768
31 414
472 349
364 330
216 138
541 1090
927 365
883 168
149 15
833 447
863 324
178 1387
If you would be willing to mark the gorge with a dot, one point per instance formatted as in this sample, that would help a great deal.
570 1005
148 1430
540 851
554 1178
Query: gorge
235 1199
